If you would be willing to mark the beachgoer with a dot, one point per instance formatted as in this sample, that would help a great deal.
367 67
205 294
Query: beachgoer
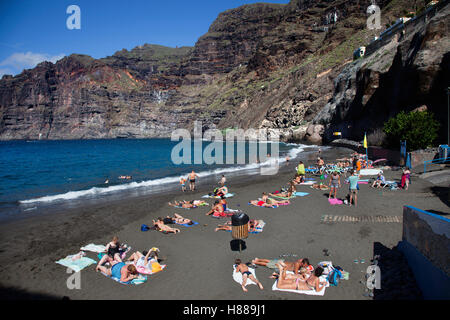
183 184
301 169
159 224
335 183
182 204
312 283
379 180
223 202
217 210
252 226
223 180
246 274
144 259
178 219
406 176
113 252
294 266
320 165
353 180
358 165
120 270
192 177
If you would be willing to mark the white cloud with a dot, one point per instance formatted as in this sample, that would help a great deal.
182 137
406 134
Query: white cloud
20 60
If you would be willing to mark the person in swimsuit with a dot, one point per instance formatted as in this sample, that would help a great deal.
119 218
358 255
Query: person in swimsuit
335 183
294 266
289 192
177 219
252 226
144 259
159 224
223 180
222 191
192 176
217 210
183 184
120 270
246 274
113 252
312 283
182 204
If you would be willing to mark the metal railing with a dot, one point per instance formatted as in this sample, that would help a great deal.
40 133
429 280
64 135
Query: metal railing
434 161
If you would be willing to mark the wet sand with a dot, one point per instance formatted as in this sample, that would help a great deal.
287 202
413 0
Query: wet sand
199 260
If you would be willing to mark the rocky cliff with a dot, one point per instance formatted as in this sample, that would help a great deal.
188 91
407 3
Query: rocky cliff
258 66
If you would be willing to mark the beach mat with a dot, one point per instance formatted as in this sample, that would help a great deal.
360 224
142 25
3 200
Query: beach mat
255 205
76 265
237 276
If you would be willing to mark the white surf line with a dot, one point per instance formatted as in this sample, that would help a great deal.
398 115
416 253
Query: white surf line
356 219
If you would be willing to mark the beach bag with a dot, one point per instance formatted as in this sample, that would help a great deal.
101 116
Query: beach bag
156 267
144 227
334 276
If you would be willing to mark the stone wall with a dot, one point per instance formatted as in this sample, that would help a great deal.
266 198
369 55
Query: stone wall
426 245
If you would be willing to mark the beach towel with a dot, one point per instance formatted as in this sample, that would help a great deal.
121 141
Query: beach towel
335 201
308 292
308 183
237 276
228 195
94 248
187 225
147 271
140 280
179 207
232 210
76 265
261 206
294 194
300 194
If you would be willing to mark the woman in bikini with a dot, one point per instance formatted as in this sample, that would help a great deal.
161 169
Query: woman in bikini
289 192
217 210
312 283
159 224
246 274
179 219
113 253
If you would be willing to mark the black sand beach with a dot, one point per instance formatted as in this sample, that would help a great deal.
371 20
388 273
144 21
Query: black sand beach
199 260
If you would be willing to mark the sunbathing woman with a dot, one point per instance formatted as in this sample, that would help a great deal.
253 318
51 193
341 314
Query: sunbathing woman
243 269
144 259
182 204
159 224
289 192
217 210
312 283
178 219
120 270
113 252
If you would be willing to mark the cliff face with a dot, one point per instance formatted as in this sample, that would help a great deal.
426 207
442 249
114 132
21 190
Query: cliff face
409 71
261 65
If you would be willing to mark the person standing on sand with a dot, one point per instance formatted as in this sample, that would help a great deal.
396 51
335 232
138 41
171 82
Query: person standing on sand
246 274
192 177
335 183
353 180
183 184
223 180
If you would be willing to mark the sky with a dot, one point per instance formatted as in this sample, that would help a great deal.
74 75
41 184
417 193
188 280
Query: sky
32 31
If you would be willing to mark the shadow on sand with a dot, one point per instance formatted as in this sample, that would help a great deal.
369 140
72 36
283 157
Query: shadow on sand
10 293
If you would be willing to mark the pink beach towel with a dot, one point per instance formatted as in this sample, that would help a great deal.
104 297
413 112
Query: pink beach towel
335 201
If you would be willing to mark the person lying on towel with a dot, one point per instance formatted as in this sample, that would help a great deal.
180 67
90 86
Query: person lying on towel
268 202
160 226
177 219
120 270
294 266
252 225
312 283
288 193
146 259
243 269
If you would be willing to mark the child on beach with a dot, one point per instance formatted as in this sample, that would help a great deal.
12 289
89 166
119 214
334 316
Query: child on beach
183 184
246 274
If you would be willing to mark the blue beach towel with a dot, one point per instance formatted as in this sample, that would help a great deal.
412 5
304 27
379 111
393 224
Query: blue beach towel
300 194
140 280
187 225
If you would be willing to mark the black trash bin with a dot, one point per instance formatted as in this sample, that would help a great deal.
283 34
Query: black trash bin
239 226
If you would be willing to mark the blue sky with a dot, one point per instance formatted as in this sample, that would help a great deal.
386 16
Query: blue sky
34 31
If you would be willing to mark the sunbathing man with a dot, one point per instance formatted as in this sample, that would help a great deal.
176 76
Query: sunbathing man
268 202
178 219
252 225
243 269
289 192
312 283
182 204
120 270
159 224
290 266
217 210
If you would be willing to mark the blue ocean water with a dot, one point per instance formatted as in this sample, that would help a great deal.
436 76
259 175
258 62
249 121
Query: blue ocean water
33 173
